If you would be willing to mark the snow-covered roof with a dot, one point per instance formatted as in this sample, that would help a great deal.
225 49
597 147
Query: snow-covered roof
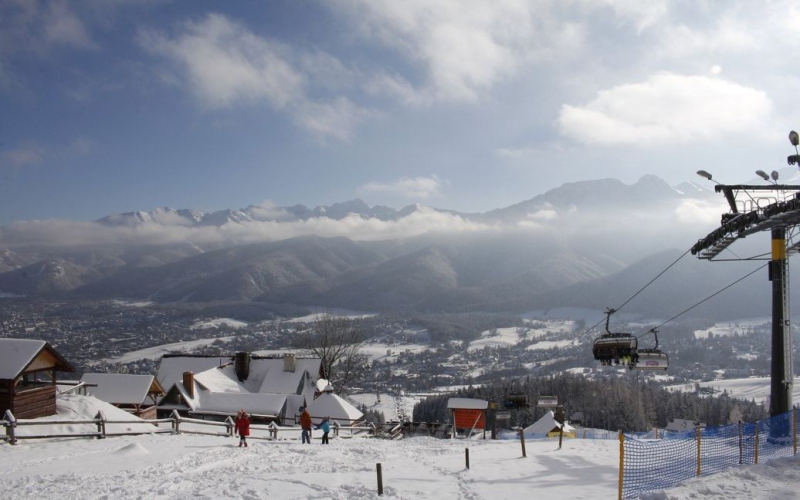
546 424
119 388
467 404
18 354
172 367
265 391
331 405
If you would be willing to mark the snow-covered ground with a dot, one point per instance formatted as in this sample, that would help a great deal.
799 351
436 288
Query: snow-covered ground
136 303
393 407
728 328
168 466
156 352
549 344
184 466
347 313
507 337
774 480
757 388
377 350
217 322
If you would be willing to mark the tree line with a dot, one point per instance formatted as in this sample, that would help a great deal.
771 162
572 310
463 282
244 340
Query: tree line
615 403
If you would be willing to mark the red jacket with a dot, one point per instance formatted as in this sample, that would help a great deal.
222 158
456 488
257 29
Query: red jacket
305 420
243 426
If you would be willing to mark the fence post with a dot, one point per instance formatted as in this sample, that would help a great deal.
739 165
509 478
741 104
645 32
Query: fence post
621 463
466 454
380 479
794 429
757 441
336 428
101 424
229 426
522 440
273 431
11 427
656 432
176 421
741 445
699 450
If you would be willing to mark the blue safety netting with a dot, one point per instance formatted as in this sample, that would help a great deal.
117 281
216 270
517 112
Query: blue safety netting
653 464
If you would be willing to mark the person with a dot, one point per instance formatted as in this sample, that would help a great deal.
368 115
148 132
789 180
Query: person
325 425
305 424
242 427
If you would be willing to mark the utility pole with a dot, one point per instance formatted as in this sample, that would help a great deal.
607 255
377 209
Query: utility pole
782 373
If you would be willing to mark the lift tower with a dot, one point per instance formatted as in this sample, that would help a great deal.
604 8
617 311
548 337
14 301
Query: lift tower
753 209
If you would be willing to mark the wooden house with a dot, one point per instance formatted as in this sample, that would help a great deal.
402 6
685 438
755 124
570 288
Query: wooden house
136 394
270 389
28 377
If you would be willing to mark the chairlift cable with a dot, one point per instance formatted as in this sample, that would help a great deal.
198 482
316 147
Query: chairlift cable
632 297
652 280
704 300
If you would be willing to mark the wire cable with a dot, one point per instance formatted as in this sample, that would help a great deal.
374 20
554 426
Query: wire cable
652 280
704 300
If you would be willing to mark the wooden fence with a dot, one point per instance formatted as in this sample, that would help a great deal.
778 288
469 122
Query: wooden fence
177 425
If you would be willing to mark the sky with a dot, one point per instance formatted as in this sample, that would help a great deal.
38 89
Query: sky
111 106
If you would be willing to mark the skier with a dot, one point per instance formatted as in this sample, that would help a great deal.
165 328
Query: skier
325 425
242 427
305 424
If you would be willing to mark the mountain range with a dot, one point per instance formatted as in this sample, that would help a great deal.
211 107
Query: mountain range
583 244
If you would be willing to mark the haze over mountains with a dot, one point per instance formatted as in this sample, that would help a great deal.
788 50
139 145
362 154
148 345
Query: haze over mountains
586 244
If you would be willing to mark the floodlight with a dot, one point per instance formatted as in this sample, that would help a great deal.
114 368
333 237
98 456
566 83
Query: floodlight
794 138
703 173
762 174
775 175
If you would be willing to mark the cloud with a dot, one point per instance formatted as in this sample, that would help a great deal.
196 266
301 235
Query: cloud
667 108
35 154
224 64
22 157
61 233
417 187
464 47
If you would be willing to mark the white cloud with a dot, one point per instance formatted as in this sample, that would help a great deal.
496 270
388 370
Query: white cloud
61 233
464 47
225 65
62 26
417 187
22 157
667 108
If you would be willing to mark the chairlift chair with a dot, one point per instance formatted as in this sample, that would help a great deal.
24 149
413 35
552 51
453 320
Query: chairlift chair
652 359
612 348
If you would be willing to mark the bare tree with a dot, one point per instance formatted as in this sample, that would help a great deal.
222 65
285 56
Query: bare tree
336 340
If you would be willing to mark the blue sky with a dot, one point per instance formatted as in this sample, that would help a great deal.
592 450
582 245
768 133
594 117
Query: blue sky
115 106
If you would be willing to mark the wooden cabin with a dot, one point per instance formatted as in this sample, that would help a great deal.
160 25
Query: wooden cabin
136 394
28 377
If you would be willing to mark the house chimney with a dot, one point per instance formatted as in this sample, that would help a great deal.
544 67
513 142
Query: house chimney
188 383
242 366
288 362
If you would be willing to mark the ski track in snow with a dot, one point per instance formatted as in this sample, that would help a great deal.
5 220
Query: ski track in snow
171 467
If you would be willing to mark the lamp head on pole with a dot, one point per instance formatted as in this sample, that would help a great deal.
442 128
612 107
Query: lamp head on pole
762 174
775 175
794 138
703 173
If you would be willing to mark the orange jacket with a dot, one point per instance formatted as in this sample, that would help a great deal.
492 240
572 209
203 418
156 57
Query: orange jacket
305 420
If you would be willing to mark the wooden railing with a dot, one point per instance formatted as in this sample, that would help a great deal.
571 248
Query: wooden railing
176 426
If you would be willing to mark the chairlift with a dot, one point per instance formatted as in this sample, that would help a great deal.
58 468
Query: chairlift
615 348
651 359
515 399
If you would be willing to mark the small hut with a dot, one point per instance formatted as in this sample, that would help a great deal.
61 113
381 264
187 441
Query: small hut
136 394
28 377
468 414
548 426
337 409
